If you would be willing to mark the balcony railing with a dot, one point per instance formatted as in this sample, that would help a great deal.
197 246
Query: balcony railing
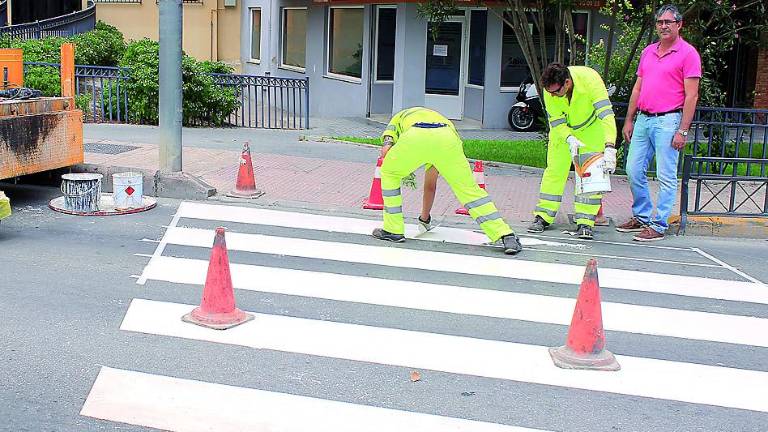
65 25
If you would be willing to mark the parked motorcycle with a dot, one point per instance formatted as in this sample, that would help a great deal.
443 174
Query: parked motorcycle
525 113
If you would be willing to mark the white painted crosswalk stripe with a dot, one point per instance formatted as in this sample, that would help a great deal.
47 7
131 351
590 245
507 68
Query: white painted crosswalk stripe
660 379
194 406
469 301
478 265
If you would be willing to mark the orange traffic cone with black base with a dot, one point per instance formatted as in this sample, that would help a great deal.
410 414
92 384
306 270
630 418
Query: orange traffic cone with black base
245 187
585 348
217 309
375 199
479 173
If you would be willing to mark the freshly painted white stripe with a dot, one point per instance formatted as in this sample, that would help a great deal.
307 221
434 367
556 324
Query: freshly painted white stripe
726 265
660 379
161 246
628 244
186 405
310 221
176 404
470 301
473 264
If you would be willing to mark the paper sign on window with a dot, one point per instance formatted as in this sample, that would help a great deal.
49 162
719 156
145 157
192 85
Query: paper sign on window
440 50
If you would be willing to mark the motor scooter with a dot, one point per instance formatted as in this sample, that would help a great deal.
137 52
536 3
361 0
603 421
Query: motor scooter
525 113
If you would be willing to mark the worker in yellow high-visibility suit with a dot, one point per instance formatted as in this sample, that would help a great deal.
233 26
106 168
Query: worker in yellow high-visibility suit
581 122
5 206
419 136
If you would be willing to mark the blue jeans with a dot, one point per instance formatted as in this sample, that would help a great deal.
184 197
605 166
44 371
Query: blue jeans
653 136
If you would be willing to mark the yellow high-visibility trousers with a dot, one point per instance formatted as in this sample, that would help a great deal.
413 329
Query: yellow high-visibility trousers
442 148
556 176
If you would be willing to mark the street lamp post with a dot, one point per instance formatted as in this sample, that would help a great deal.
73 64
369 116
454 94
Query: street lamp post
171 15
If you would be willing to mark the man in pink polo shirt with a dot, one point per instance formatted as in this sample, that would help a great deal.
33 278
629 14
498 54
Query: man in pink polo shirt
664 98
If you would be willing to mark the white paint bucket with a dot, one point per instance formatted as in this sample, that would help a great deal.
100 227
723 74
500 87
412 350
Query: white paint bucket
128 189
82 192
591 177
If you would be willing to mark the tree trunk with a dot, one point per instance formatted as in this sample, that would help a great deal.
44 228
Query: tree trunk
609 41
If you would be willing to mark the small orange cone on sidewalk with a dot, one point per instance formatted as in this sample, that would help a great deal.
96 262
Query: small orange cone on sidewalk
585 348
480 179
217 309
600 219
375 200
245 187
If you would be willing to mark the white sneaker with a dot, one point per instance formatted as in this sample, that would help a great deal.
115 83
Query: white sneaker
425 226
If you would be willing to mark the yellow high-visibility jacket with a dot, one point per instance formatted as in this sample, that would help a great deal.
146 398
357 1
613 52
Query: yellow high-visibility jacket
589 109
405 119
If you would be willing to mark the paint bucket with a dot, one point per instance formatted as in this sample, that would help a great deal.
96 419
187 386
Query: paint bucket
591 177
128 190
82 192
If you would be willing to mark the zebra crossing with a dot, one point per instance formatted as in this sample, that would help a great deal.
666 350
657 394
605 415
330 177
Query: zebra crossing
397 307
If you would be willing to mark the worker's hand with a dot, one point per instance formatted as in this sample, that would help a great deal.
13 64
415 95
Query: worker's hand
627 130
609 158
574 145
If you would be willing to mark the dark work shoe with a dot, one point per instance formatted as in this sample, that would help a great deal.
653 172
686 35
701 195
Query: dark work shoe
632 225
380 234
511 244
538 225
648 235
584 232
425 226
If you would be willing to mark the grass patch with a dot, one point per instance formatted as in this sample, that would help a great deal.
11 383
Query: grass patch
520 152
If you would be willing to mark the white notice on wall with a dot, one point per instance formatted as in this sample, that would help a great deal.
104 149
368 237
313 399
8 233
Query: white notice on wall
440 50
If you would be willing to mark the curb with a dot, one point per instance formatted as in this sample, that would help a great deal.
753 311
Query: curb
724 226
178 185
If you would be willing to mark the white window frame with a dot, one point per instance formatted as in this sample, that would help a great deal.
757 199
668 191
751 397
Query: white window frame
282 41
376 79
469 36
250 44
328 73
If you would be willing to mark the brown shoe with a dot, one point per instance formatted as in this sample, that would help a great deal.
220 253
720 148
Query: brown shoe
648 235
632 225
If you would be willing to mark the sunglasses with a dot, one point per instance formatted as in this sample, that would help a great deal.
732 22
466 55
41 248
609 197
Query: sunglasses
554 93
666 22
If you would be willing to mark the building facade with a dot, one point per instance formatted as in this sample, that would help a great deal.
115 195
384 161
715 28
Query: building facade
368 60
211 27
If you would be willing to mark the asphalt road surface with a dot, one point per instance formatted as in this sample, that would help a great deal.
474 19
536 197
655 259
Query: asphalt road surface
439 333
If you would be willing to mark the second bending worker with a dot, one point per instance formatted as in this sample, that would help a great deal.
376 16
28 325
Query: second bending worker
581 121
419 136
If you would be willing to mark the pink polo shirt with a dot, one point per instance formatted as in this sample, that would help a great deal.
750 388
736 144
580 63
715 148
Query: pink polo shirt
662 88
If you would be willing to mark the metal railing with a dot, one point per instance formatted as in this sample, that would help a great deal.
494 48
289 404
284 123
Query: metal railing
262 102
99 91
62 26
723 187
716 132
268 102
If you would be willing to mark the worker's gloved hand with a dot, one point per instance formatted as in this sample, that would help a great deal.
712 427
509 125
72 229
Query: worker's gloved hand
574 145
609 158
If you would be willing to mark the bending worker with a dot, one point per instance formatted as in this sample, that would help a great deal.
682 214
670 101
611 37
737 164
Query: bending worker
581 122
419 136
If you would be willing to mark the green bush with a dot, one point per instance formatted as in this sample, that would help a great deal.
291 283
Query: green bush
103 46
204 102
43 78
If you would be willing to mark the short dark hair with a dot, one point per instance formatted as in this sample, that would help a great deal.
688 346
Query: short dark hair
554 74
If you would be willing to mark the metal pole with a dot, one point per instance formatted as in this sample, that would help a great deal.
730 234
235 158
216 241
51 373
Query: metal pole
170 85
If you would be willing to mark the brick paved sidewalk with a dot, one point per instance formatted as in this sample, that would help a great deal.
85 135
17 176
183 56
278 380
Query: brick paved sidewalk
337 184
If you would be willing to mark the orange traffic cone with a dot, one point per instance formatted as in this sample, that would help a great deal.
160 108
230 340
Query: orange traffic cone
375 199
585 347
480 179
246 181
217 309
600 219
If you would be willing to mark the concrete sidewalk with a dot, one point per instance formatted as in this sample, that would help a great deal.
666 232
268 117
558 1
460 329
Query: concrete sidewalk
316 173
